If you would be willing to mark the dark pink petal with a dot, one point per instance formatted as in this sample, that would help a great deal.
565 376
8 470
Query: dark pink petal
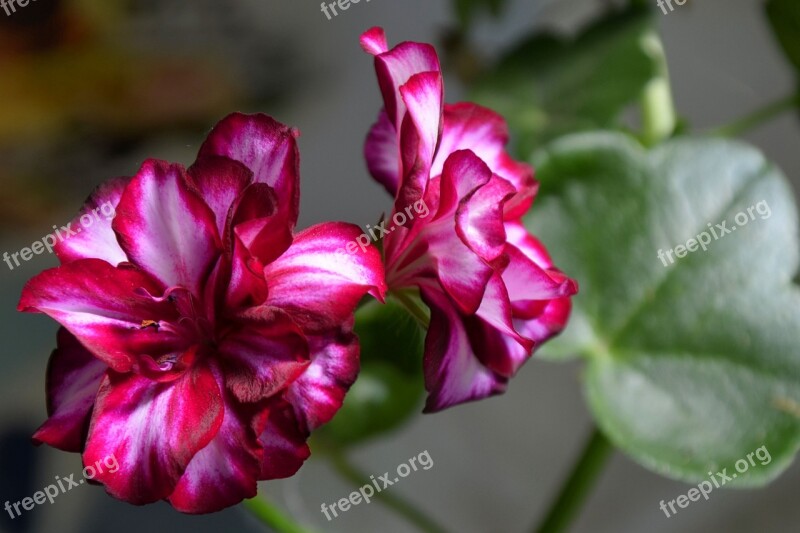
453 372
73 379
461 270
382 153
548 318
247 286
525 280
166 229
266 147
479 218
219 181
104 307
94 237
153 430
423 95
373 41
518 236
469 126
318 283
395 67
319 392
284 442
255 223
263 355
226 470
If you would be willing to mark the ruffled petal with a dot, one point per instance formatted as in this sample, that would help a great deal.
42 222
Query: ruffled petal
423 96
105 307
166 229
396 66
219 181
255 222
453 373
468 126
284 443
319 392
318 283
153 430
73 380
93 236
263 355
266 147
461 270
226 470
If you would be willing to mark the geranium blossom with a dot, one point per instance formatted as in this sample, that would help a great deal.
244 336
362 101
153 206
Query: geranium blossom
202 339
493 293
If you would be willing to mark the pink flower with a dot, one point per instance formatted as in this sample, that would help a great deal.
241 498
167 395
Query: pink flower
202 340
493 293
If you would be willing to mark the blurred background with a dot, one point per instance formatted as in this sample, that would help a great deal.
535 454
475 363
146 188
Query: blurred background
88 90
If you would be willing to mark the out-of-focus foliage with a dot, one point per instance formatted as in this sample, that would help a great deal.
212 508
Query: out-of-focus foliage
549 86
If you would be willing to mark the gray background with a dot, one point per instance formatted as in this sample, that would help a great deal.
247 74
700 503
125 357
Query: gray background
498 462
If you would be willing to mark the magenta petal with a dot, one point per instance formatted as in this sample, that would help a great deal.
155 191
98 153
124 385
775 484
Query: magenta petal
153 430
219 181
266 147
383 153
263 355
479 219
468 126
226 470
166 229
453 372
73 379
395 67
423 95
104 307
284 442
93 236
255 223
525 280
373 41
318 283
319 392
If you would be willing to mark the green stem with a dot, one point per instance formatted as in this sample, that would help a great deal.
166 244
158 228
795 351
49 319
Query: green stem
272 517
658 110
758 117
402 507
574 492
414 309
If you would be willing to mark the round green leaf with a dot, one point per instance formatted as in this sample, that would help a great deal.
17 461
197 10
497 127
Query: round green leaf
692 365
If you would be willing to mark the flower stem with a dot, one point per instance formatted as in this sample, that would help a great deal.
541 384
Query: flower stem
402 507
269 515
758 117
413 307
658 110
574 492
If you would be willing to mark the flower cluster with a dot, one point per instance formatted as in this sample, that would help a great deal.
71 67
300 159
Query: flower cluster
203 338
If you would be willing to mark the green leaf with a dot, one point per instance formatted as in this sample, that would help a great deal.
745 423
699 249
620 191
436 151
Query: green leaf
549 86
389 388
784 16
693 365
